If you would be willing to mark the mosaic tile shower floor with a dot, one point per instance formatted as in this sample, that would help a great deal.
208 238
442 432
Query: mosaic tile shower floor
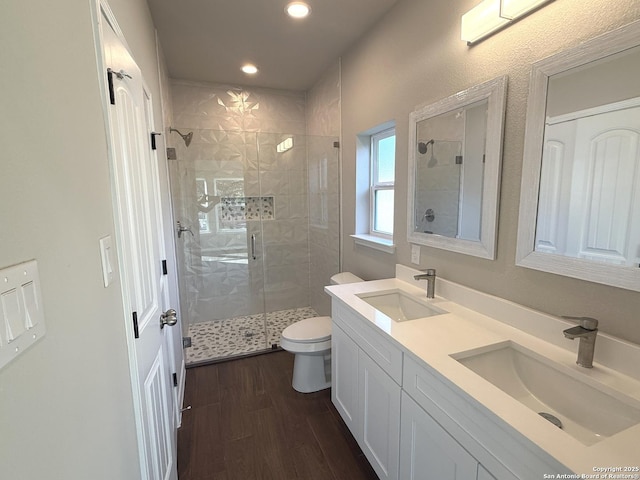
239 335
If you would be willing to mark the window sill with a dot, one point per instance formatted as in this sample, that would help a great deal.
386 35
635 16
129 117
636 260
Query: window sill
377 243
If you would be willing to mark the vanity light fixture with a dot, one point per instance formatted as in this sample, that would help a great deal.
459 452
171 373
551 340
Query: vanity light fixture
249 69
298 9
489 16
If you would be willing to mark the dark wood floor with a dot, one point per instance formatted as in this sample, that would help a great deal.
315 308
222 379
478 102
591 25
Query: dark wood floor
246 422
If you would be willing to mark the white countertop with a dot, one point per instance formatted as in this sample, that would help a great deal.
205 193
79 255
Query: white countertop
434 339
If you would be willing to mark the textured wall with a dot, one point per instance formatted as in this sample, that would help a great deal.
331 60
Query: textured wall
323 104
323 128
414 56
233 108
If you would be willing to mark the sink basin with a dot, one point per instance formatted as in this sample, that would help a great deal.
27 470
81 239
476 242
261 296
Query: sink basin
588 410
400 306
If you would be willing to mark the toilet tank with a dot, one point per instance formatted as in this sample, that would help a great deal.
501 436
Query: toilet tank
345 277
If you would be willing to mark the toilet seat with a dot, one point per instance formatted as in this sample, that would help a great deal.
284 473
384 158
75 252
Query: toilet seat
308 335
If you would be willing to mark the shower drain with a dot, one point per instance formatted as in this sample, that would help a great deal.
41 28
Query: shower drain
552 418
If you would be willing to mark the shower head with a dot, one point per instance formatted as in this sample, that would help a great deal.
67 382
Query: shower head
187 138
422 147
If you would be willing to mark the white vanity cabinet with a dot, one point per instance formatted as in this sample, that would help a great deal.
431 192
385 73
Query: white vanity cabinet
497 452
344 377
364 392
428 452
379 409
413 423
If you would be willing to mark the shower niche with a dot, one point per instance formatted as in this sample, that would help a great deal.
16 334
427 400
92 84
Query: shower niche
254 204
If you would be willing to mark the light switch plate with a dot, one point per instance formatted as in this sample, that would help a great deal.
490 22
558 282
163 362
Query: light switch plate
415 254
107 257
21 311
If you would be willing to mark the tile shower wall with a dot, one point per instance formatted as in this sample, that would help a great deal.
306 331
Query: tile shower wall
323 122
438 188
233 134
437 174
240 109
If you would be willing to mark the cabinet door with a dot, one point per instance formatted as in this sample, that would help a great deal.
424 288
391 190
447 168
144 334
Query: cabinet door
483 474
428 452
344 377
379 428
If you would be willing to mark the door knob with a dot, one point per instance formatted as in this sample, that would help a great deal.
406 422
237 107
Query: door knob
170 317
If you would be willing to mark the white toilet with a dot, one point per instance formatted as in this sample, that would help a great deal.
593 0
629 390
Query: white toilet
310 341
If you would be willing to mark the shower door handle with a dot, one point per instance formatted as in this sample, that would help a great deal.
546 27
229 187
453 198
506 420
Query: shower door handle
253 246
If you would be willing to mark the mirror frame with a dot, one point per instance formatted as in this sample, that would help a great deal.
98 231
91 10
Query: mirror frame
597 48
495 92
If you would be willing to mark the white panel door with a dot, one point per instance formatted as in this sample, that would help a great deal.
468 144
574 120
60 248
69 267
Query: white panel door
139 225
379 421
606 191
428 452
555 187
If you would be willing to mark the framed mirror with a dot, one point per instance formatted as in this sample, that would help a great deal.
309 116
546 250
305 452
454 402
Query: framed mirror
455 157
580 196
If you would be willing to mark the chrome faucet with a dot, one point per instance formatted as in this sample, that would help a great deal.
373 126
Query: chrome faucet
586 331
430 276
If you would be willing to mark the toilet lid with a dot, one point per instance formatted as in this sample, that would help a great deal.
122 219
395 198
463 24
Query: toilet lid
315 329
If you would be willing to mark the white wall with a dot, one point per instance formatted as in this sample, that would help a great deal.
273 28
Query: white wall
571 92
65 405
415 56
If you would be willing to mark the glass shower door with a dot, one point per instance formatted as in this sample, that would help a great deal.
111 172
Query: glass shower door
216 200
284 231
258 237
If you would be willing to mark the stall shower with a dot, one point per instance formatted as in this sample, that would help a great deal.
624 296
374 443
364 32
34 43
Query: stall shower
254 214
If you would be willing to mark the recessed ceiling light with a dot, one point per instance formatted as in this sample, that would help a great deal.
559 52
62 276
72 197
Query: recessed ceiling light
298 9
250 69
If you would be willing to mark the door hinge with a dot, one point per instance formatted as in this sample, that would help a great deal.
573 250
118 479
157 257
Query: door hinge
459 160
112 95
153 140
136 334
164 267
175 379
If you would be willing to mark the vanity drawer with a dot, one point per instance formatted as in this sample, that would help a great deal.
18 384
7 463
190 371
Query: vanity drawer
374 343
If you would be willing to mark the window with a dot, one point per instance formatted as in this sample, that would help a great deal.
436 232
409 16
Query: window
383 162
375 177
